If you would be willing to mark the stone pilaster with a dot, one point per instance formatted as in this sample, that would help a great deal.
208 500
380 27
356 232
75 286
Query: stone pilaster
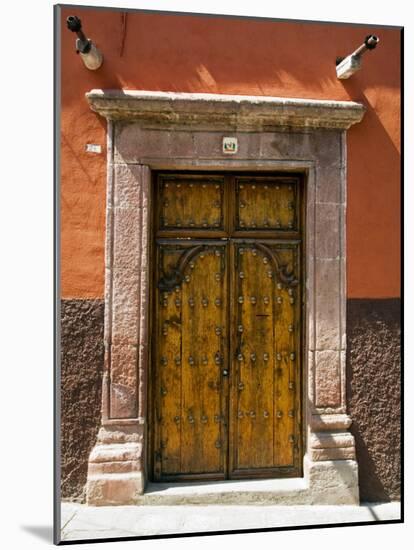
330 463
116 463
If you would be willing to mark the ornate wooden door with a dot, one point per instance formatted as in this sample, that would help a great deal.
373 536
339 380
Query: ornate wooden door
227 327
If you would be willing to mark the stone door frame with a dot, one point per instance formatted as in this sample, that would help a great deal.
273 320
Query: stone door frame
170 131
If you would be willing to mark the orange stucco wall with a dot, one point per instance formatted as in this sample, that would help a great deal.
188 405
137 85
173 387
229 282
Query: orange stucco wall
234 56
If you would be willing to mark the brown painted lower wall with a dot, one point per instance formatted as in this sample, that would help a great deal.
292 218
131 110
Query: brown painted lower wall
373 389
82 355
374 392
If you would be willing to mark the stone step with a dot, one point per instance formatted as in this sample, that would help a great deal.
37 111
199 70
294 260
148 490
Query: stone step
263 491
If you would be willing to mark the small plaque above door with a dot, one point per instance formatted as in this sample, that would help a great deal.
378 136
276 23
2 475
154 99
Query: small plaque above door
191 203
267 204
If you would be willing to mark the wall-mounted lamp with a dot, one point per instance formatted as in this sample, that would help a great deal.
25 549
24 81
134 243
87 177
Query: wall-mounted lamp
89 53
347 66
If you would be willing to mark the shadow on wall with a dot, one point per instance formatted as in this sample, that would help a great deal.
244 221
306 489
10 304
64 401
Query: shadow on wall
373 395
195 53
372 488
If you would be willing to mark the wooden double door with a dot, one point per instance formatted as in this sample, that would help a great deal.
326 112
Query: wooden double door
226 353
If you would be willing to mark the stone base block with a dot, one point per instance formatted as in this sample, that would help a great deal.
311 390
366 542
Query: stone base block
332 481
114 472
114 489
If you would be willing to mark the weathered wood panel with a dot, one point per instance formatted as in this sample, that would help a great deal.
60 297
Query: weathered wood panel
227 327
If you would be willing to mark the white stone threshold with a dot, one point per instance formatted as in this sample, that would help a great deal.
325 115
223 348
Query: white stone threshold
80 522
237 492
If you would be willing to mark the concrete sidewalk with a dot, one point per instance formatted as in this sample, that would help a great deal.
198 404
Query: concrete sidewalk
81 522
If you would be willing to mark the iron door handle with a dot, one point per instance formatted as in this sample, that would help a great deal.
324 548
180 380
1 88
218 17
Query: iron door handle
225 372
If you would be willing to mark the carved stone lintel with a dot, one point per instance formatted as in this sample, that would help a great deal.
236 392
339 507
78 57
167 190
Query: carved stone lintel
223 111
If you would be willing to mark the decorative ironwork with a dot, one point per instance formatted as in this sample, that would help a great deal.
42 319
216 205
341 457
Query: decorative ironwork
285 275
175 276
